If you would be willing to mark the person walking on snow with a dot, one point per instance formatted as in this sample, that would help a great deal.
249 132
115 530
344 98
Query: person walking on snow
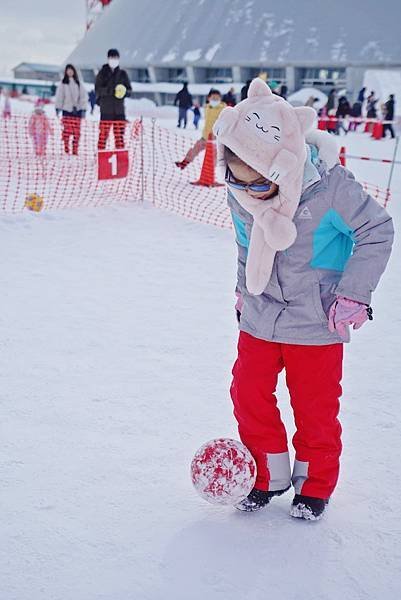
361 95
197 115
229 99
112 85
39 129
312 246
184 101
331 101
371 106
343 111
7 106
212 110
356 114
244 89
71 100
389 116
92 100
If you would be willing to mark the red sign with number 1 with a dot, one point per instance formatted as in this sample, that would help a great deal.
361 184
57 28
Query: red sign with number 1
113 164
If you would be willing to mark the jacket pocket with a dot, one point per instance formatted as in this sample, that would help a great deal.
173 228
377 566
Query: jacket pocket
317 301
323 297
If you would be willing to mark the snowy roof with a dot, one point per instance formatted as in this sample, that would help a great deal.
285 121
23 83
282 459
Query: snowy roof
38 67
245 32
21 81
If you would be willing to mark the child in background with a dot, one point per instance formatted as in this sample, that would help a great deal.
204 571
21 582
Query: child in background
213 109
39 129
312 246
7 106
197 115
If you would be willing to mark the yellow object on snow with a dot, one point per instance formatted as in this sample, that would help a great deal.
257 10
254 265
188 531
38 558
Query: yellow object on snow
34 202
120 91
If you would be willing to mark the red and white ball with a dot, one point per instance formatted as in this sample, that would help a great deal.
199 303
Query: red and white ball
223 471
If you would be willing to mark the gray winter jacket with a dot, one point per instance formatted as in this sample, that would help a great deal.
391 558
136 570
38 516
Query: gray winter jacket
342 247
71 96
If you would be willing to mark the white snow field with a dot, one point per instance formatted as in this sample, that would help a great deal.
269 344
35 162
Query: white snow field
117 336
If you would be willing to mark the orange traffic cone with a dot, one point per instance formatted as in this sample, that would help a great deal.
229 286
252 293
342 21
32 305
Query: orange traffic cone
207 176
368 126
377 132
341 156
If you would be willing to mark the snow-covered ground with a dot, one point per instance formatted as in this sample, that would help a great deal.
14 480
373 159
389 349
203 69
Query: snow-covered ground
118 336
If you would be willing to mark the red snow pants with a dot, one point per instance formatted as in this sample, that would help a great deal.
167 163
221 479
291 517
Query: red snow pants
71 129
118 130
313 375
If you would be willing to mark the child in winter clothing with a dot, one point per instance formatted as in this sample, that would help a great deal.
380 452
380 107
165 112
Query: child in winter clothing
311 249
39 129
212 111
197 115
7 107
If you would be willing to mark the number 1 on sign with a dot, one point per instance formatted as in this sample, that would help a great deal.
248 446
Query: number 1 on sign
112 164
113 161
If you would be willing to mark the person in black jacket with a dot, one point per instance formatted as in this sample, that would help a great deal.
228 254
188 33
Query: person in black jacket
184 100
361 95
230 98
356 114
112 85
389 116
371 106
244 89
343 111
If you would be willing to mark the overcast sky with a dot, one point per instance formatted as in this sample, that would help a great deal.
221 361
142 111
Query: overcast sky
39 30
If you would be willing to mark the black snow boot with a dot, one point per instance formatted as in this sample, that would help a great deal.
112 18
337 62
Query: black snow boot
257 499
182 164
308 508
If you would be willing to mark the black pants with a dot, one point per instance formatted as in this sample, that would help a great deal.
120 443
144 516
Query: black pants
389 127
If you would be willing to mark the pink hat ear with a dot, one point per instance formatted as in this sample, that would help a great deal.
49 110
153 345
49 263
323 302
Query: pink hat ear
306 117
227 119
259 88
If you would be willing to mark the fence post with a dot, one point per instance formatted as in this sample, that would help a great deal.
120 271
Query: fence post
142 162
397 141
153 160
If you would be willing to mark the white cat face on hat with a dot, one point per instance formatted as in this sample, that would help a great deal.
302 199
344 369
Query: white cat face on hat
260 127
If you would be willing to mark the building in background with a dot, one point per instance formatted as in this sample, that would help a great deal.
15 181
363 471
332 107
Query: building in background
215 42
37 71
31 87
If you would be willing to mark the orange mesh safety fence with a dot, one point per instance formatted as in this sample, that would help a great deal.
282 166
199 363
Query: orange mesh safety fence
57 163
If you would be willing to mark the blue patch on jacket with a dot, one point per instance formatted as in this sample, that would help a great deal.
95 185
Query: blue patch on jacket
240 230
333 242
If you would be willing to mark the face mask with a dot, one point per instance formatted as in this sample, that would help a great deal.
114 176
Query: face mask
214 103
113 63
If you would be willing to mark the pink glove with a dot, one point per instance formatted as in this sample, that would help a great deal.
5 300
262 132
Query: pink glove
240 301
346 312
238 305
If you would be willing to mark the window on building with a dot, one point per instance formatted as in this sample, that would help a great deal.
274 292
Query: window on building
323 76
88 75
140 75
273 73
221 75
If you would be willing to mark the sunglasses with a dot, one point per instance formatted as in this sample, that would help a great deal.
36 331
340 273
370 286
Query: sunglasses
252 187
